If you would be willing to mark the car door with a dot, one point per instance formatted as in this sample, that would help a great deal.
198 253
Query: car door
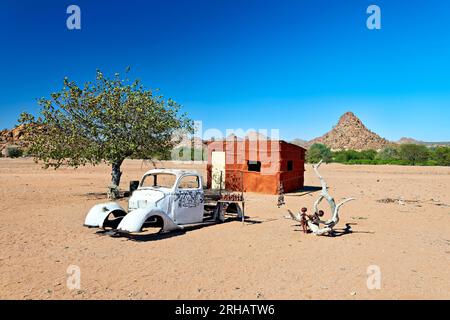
189 200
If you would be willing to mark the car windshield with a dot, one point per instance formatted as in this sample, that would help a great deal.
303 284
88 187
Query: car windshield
158 180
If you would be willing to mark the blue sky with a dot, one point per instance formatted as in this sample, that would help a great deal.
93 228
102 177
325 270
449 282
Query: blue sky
289 65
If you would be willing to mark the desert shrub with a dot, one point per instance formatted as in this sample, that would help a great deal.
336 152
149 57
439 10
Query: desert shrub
345 156
407 154
360 161
431 162
368 154
414 154
13 152
388 154
441 155
399 162
318 152
354 157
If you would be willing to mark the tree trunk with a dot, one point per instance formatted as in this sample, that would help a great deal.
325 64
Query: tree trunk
116 174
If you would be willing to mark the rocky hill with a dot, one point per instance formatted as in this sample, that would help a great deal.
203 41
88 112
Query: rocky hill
13 137
405 140
351 133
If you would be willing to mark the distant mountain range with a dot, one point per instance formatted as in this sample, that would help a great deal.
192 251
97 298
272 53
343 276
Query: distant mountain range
414 141
348 133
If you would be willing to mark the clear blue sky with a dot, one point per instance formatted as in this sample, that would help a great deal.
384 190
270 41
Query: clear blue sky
292 65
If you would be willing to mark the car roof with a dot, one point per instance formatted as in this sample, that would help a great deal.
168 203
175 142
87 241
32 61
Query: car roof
177 172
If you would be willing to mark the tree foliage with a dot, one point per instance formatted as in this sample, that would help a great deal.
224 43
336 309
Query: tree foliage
407 154
351 156
441 155
107 120
414 153
388 153
318 152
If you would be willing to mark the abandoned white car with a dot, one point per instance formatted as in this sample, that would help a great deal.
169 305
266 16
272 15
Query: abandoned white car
169 199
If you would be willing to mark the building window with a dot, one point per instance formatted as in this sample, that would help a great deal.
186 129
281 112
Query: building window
290 165
254 166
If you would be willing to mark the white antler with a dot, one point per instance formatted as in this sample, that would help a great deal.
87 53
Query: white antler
333 207
325 193
335 218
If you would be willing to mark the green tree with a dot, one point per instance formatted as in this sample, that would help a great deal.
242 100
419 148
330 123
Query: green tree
414 153
442 156
367 154
344 156
318 152
388 154
107 120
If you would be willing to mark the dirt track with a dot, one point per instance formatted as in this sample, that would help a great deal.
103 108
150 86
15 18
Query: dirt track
41 234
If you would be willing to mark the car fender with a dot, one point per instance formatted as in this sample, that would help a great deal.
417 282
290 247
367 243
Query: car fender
135 219
98 214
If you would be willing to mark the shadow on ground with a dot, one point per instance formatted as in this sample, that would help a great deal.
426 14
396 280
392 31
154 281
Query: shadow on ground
339 232
303 192
156 236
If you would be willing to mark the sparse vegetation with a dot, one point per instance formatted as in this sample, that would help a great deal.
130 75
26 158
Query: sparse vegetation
441 155
318 152
406 154
13 152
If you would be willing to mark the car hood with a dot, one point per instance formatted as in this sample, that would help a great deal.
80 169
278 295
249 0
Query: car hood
145 197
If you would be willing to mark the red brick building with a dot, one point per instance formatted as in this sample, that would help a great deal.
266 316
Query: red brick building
255 165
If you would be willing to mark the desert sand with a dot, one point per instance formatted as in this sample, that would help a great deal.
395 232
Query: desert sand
41 234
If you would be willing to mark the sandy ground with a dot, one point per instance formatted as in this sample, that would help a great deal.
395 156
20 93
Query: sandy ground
41 235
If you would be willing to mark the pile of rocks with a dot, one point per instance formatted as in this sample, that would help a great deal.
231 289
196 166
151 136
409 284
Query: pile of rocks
12 138
351 133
